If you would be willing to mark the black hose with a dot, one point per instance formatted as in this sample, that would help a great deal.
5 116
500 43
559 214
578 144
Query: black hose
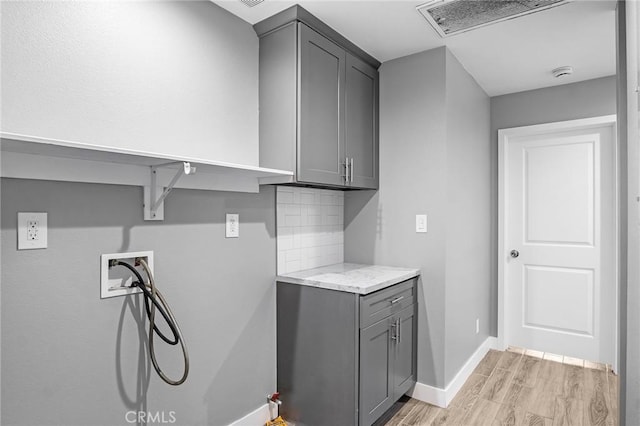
151 292
147 295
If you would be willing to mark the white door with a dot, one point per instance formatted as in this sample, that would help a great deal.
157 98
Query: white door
559 239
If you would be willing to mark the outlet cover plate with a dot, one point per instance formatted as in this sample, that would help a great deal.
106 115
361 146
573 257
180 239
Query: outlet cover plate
32 231
117 281
232 229
421 223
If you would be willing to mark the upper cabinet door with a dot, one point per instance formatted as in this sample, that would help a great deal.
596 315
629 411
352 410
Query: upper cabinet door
321 79
361 121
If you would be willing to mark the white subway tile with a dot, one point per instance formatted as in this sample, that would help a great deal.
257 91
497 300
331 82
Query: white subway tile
332 220
293 266
327 199
307 197
292 255
296 195
282 266
332 259
285 231
292 220
308 240
333 249
296 238
314 220
292 209
303 215
284 196
334 210
310 228
285 243
324 237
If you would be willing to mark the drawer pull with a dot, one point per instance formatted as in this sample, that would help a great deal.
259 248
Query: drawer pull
396 300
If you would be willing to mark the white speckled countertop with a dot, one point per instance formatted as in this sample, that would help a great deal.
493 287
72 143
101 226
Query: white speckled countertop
350 277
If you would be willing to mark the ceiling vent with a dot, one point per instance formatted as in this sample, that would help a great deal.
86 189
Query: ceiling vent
251 3
451 17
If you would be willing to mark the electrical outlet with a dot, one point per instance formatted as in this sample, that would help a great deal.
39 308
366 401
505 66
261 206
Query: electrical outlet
33 226
233 225
118 280
32 231
477 325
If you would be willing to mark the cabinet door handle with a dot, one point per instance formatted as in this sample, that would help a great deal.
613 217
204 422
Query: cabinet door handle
394 330
351 169
399 328
396 300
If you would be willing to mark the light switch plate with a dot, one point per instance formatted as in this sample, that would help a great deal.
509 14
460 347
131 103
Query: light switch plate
32 231
233 225
421 223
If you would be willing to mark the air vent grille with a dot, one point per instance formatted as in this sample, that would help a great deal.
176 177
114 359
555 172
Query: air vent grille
251 3
450 17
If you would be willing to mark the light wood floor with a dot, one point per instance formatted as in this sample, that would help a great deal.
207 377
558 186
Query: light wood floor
524 388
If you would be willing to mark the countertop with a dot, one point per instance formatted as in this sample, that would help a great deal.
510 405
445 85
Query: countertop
350 277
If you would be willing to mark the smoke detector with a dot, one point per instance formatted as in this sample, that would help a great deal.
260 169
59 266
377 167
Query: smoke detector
562 71
251 3
451 17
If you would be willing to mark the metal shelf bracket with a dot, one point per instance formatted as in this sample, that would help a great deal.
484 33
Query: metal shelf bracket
154 204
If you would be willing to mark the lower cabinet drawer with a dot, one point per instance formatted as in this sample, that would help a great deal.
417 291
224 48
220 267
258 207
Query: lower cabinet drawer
388 301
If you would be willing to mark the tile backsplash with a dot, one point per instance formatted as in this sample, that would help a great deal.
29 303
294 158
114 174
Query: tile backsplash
310 228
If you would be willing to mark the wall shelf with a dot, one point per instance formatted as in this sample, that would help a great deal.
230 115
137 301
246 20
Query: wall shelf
28 157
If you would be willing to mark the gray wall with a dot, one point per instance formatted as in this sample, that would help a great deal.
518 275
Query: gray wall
591 98
434 138
173 77
468 216
70 358
380 226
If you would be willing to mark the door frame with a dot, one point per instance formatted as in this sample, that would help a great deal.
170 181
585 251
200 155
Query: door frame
504 135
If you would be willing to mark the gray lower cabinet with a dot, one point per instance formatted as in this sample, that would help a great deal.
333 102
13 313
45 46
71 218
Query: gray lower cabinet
387 363
344 358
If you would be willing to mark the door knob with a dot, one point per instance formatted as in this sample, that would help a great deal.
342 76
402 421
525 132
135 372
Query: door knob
515 253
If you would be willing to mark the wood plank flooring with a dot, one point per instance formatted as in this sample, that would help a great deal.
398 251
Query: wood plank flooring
521 387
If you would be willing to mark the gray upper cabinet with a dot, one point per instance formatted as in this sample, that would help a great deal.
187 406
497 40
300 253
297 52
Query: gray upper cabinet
318 103
361 122
321 147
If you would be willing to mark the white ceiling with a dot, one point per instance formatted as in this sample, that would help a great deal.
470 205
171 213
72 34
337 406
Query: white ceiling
506 57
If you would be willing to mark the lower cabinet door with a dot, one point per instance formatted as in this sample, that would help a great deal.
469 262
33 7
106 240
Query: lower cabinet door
404 365
376 365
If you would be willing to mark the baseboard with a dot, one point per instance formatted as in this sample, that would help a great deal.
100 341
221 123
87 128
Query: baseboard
443 397
257 417
430 394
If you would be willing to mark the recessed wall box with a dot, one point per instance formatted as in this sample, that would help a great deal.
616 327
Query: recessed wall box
118 280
